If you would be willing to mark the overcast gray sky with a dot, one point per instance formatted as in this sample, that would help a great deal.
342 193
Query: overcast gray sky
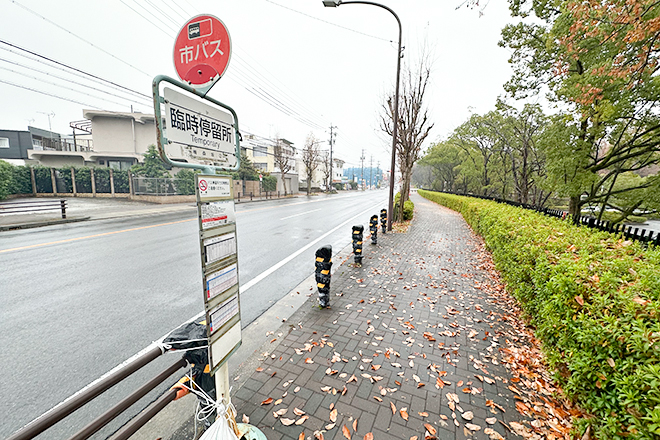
319 66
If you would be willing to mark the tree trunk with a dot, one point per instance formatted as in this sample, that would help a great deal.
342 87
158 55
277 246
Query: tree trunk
574 207
283 184
309 186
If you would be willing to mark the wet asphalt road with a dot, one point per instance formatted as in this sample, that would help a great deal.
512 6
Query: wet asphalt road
77 299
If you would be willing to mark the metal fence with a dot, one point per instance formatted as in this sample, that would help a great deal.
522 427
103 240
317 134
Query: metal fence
162 186
629 232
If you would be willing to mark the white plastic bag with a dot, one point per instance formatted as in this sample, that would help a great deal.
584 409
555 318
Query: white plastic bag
219 430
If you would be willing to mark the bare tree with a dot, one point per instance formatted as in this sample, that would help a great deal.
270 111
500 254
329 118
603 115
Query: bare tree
282 159
325 160
413 124
310 159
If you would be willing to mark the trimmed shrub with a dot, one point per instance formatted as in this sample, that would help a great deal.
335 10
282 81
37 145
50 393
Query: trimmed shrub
43 179
269 183
408 208
594 300
121 181
102 180
6 179
83 180
21 180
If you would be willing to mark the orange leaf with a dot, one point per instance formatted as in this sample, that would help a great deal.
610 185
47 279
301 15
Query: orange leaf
355 425
333 415
391 405
267 401
368 436
346 432
579 300
301 436
404 414
430 429
259 370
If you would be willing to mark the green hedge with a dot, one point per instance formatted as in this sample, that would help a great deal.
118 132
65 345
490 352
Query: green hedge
593 299
408 208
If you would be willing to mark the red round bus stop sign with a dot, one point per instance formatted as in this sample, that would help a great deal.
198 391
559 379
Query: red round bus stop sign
202 50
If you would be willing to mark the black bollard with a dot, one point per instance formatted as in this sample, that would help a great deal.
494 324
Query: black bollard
357 243
373 228
383 219
323 265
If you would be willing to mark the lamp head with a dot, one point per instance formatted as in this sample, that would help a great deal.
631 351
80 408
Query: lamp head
331 3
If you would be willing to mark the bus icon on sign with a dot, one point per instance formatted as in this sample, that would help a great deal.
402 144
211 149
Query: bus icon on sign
200 29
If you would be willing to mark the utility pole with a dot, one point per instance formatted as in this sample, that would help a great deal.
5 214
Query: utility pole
371 171
378 172
362 170
332 139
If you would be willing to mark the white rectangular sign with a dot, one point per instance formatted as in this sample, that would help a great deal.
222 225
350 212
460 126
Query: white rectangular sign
218 282
217 213
214 187
218 248
198 132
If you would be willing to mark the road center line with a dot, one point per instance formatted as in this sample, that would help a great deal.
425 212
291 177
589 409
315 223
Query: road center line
68 240
302 213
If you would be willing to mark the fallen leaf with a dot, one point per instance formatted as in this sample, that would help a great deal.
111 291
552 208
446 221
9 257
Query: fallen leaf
301 436
355 425
301 420
267 401
468 415
579 300
309 361
378 398
404 413
246 419
259 370
280 412
494 435
423 414
298 412
346 432
610 362
472 427
333 415
278 401
318 435
391 406
491 420
430 429
287 422
330 426
368 436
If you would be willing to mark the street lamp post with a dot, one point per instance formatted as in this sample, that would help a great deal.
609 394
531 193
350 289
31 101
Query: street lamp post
334 4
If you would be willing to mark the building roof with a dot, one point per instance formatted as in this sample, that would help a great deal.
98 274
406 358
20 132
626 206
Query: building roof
139 117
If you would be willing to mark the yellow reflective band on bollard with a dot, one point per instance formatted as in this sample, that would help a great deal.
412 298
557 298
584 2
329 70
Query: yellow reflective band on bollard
320 286
319 259
325 272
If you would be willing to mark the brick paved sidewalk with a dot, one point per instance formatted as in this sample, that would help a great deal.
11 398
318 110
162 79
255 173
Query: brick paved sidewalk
408 331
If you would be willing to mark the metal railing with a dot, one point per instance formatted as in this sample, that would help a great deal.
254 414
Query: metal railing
33 206
92 391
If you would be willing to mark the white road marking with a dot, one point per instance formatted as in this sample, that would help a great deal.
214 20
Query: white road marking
302 213
276 266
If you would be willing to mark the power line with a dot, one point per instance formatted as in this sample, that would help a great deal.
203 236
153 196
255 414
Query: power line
75 69
56 85
63 79
328 22
131 8
48 94
78 37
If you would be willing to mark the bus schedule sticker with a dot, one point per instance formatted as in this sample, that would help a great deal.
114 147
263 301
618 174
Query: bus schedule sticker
217 213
